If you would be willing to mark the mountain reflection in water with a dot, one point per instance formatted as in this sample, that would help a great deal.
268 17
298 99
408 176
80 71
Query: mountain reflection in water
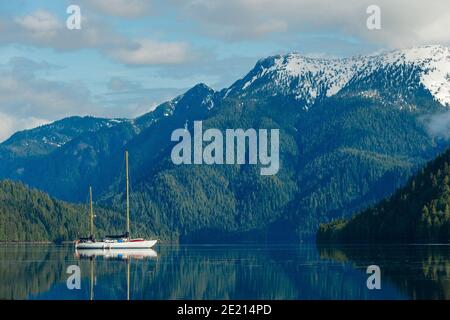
226 272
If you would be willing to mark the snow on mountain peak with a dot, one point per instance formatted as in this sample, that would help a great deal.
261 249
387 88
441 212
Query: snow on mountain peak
435 75
308 78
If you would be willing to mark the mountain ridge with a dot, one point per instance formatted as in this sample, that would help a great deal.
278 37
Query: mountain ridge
347 151
415 55
289 73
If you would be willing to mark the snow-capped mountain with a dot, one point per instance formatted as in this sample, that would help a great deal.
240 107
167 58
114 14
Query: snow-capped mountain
396 77
354 146
308 79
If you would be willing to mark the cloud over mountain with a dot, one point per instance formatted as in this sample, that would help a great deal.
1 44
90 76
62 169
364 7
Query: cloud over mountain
404 23
43 28
29 100
439 124
150 52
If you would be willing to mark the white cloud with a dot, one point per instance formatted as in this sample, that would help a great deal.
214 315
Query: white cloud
27 101
10 125
119 84
40 21
43 29
121 8
404 22
27 96
128 98
148 52
269 27
438 125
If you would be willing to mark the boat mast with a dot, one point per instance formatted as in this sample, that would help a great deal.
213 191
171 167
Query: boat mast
128 195
91 215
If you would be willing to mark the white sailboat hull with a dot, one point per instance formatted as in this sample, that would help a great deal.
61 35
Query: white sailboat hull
140 244
131 244
89 245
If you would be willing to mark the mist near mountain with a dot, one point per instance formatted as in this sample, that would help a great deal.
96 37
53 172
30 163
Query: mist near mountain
439 124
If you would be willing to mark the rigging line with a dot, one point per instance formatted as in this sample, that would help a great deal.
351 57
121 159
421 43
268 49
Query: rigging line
130 189
87 202
86 207
121 177
117 194
122 186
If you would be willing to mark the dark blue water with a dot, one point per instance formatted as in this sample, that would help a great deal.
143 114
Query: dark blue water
226 272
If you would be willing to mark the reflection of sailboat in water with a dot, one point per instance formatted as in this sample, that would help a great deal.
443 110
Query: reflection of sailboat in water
114 241
91 279
117 254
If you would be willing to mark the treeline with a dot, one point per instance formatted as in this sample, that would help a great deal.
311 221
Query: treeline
419 212
31 215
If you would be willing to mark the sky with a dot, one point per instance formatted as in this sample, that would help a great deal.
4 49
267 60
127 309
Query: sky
131 55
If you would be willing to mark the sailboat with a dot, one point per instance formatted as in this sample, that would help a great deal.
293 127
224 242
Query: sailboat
123 241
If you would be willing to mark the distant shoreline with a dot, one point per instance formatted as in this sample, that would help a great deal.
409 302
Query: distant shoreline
33 242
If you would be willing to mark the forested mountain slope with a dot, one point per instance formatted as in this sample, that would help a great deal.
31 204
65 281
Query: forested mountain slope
418 212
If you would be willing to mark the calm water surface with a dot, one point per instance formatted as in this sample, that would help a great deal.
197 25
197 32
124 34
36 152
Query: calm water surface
226 272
